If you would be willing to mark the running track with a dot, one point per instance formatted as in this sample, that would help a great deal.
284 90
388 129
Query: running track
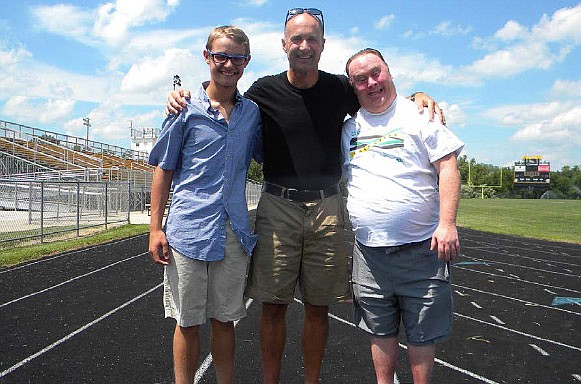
95 316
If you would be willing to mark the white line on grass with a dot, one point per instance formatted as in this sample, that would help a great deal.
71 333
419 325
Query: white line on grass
76 332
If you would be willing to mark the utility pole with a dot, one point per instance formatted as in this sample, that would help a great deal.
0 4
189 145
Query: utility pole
88 125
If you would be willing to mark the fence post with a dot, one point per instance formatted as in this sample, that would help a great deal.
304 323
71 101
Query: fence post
42 211
106 202
78 208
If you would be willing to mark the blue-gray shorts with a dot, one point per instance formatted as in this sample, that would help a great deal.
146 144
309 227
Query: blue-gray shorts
403 283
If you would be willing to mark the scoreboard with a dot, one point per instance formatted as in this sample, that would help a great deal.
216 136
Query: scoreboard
532 172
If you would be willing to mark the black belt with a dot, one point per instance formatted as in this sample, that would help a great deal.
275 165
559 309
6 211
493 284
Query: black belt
300 194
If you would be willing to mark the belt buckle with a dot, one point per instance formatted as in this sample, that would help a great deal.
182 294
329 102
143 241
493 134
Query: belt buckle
286 193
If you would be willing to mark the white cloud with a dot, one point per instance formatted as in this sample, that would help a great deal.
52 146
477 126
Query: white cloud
565 88
113 20
109 22
253 3
384 22
548 42
512 30
78 21
23 108
564 127
446 29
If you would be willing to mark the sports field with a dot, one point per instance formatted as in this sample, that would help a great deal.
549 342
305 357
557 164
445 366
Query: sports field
557 220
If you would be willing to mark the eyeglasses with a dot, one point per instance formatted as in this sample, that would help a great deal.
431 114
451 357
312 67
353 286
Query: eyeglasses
222 58
311 11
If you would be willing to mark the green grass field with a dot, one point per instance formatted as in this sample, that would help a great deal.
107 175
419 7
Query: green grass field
557 220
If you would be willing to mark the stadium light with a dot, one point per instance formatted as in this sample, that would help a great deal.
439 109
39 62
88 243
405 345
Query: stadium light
176 81
88 125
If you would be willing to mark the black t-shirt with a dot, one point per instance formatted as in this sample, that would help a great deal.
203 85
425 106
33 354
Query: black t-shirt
302 128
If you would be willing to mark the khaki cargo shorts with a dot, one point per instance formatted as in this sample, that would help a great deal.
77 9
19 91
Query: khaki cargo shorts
300 242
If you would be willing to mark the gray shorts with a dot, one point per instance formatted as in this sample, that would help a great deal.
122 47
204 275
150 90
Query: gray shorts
299 242
196 290
403 283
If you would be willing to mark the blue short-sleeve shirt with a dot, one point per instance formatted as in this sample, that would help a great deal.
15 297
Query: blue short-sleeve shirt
210 159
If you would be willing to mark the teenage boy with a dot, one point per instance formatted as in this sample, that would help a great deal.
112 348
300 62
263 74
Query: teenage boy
205 153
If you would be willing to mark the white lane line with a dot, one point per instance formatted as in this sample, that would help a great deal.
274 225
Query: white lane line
458 369
497 320
515 276
461 294
50 258
576 376
519 332
76 332
548 291
539 349
475 304
521 280
208 360
68 281
441 362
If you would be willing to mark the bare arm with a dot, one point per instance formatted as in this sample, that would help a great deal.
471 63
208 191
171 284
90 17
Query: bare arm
158 246
422 100
445 237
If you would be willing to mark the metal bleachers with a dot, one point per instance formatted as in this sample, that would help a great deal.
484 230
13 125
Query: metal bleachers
28 153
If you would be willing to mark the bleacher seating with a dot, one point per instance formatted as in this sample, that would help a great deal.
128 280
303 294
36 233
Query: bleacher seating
52 154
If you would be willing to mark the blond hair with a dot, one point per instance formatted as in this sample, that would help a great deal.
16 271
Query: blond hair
230 32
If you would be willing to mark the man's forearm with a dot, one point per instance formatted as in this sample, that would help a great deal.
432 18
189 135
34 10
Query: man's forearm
449 186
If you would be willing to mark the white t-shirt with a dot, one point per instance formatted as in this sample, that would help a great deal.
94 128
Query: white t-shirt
392 184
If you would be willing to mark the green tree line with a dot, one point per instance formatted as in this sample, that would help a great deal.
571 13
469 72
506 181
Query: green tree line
485 180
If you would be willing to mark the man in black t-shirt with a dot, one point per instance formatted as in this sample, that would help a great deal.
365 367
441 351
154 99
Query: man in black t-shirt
299 219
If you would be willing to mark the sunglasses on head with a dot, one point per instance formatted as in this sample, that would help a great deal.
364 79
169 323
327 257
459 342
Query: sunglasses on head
222 58
311 11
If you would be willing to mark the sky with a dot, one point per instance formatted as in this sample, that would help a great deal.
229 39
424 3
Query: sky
506 72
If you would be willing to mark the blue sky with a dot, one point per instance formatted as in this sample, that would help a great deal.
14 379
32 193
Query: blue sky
507 73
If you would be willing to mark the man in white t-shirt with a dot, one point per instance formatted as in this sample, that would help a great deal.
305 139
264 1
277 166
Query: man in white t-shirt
404 186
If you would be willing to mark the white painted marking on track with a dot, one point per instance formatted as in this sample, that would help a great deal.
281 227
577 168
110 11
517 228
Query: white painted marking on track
497 320
441 362
461 294
519 332
50 258
576 376
539 349
475 304
521 280
69 281
515 276
208 360
76 332
551 292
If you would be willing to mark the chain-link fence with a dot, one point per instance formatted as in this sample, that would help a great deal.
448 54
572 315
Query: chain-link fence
35 211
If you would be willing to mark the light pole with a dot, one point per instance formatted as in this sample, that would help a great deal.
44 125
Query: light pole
88 125
176 81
